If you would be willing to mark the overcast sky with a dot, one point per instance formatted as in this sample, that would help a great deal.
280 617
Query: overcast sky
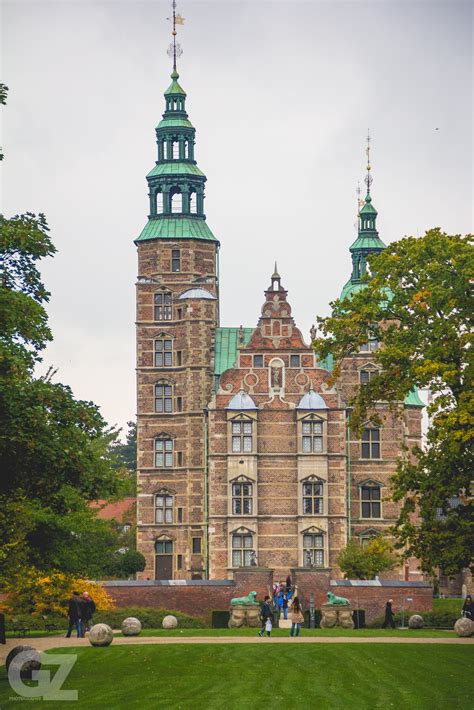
281 95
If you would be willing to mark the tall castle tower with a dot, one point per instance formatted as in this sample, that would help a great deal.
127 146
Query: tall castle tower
177 314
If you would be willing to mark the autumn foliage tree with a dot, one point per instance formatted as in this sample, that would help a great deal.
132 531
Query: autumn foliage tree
418 302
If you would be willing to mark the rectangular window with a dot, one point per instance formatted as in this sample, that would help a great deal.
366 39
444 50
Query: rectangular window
163 453
242 437
179 358
312 437
163 306
370 444
163 399
179 313
258 360
180 458
175 261
242 499
180 515
312 497
179 561
371 345
163 353
164 547
295 360
370 501
179 404
242 550
196 545
313 550
163 509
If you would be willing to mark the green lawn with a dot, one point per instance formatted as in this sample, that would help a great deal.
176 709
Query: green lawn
425 633
236 677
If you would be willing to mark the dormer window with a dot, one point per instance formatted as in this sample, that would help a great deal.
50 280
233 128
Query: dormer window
312 431
242 436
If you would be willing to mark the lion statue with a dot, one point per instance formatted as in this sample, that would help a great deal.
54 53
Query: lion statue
337 601
249 599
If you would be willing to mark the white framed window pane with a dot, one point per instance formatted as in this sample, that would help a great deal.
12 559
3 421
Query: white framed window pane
168 391
318 540
247 443
236 489
159 460
306 428
168 407
247 489
317 444
159 406
307 541
236 506
168 460
236 541
307 489
247 506
247 541
168 345
168 445
319 558
169 501
236 556
168 515
235 427
247 558
318 505
168 362
158 345
159 501
159 390
236 444
307 506
159 444
318 427
158 360
318 489
376 510
307 444
247 427
159 515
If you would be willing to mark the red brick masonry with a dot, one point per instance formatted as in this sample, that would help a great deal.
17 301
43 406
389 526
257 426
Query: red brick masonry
200 597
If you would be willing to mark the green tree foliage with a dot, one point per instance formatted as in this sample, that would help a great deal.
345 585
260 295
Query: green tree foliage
126 564
125 454
419 303
358 562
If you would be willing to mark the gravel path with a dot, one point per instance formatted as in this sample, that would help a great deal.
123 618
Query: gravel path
43 644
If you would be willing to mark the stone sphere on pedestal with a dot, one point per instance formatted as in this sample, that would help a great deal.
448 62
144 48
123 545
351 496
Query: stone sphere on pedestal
415 622
23 660
131 626
101 635
169 622
464 627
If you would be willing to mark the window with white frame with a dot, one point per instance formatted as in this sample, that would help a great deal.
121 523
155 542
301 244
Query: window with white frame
164 352
163 305
312 432
242 549
164 508
370 501
370 443
313 496
242 436
164 452
242 498
163 398
313 549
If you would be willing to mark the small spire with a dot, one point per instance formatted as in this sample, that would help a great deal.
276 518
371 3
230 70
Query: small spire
368 177
276 275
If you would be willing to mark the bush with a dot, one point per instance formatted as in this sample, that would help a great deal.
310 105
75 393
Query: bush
432 619
36 593
35 622
220 619
150 618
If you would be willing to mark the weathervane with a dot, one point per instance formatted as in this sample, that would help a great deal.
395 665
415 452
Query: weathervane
359 205
174 50
368 177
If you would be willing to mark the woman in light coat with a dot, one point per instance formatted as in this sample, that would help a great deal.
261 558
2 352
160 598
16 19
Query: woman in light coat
296 617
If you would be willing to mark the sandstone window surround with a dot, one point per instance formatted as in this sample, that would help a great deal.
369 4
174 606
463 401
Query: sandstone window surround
164 446
242 548
314 547
312 489
163 306
241 438
371 500
312 434
367 535
175 260
164 397
370 445
366 372
164 508
242 496
163 351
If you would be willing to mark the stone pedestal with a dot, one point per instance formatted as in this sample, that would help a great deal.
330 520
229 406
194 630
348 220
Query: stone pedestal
333 615
244 615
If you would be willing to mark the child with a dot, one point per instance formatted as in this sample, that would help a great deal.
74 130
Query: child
268 626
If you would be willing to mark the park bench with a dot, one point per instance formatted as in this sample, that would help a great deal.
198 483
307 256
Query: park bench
48 624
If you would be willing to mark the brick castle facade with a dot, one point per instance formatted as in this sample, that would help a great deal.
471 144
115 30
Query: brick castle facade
245 456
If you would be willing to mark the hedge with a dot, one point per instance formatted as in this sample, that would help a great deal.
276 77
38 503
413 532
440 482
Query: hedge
432 619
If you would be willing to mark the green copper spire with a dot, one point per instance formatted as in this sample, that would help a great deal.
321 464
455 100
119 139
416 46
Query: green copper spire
368 240
176 184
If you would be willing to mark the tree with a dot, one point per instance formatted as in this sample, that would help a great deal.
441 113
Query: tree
358 562
125 454
125 564
418 302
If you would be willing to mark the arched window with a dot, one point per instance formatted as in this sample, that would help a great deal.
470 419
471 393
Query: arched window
176 201
370 443
163 302
313 500
163 352
186 150
163 452
165 150
164 508
193 202
370 500
175 149
313 549
163 398
313 433
159 202
242 549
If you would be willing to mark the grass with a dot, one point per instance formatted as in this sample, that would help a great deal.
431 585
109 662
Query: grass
210 677
373 633
448 605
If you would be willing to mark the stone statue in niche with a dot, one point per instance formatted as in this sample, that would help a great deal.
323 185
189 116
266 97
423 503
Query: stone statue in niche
276 377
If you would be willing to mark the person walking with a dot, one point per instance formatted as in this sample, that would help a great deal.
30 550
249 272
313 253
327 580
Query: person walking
388 621
296 617
284 605
468 608
88 608
74 615
266 617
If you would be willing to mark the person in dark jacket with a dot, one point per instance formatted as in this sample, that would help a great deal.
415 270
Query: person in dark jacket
388 621
468 608
266 614
74 615
88 610
285 606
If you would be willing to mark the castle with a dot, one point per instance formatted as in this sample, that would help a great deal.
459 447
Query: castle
245 453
